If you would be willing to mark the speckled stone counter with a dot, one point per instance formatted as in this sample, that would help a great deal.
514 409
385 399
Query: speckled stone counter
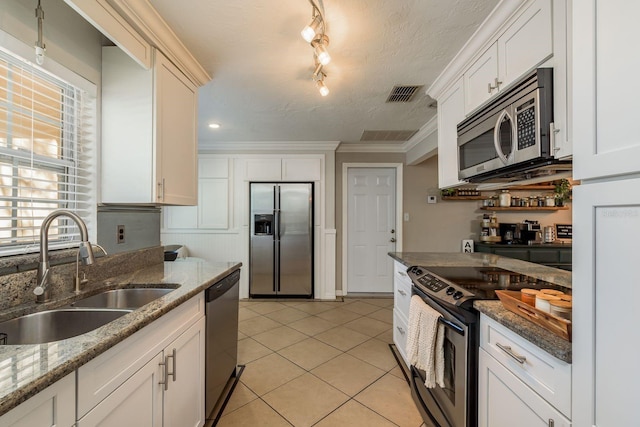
27 369
539 336
445 259
533 333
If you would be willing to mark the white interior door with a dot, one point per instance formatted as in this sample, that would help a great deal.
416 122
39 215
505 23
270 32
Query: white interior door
371 234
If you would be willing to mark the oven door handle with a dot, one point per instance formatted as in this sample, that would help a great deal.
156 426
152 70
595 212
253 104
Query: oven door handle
451 325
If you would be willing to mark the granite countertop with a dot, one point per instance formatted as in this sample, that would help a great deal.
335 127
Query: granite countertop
28 369
539 336
552 344
476 259
554 245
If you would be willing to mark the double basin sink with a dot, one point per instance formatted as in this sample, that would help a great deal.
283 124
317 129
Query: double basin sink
78 318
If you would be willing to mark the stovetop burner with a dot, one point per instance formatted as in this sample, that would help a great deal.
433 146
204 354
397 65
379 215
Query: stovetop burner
459 286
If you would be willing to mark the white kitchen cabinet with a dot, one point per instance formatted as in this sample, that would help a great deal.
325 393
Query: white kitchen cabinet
526 43
519 383
268 169
605 351
149 145
450 113
104 375
505 401
137 402
55 406
605 84
167 391
301 169
401 302
481 79
184 393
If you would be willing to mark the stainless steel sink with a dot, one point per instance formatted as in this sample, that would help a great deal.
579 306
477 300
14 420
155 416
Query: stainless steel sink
55 325
123 298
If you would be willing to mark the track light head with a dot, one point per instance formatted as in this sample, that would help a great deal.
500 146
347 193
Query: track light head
320 44
309 32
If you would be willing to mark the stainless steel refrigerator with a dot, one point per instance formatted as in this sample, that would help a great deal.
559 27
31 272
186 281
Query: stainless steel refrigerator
281 249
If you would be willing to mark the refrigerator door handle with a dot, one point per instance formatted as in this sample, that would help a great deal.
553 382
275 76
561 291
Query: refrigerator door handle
277 249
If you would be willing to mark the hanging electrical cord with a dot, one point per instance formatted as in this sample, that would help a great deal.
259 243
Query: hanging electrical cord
40 47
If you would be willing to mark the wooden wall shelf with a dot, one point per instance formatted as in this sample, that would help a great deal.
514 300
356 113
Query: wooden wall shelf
525 208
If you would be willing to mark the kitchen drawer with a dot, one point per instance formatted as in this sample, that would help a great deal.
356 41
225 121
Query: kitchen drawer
400 330
546 375
402 295
101 376
400 271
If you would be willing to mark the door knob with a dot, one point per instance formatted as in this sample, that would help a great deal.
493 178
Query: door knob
393 240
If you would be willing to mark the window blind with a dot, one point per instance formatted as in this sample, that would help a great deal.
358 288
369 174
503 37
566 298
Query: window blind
45 155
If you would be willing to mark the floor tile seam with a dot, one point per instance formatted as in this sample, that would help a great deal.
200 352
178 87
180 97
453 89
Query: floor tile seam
362 360
266 403
334 387
309 370
363 333
354 400
384 372
273 389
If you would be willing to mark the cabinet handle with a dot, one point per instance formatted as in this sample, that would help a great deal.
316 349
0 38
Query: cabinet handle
498 82
509 351
173 364
497 85
165 379
401 292
551 422
400 330
161 190
402 273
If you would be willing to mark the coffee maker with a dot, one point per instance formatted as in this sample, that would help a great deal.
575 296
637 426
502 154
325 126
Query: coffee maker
509 233
530 232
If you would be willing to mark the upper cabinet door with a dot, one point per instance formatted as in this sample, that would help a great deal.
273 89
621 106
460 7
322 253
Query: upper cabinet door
176 142
605 86
450 113
480 79
526 43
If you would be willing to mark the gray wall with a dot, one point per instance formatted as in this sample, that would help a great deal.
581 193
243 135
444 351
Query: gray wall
141 226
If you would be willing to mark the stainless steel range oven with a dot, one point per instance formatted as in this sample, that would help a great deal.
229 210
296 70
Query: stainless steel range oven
451 291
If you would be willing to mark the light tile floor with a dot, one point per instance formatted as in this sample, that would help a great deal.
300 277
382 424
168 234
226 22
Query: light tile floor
312 363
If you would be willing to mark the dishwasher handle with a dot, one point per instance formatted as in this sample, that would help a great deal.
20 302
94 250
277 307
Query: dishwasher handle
218 289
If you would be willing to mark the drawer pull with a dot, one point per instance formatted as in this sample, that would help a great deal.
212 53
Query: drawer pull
551 422
507 349
402 273
400 330
401 292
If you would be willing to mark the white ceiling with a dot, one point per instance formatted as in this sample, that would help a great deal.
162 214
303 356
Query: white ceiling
261 67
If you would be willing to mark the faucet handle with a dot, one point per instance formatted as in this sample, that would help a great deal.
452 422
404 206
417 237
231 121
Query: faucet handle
86 253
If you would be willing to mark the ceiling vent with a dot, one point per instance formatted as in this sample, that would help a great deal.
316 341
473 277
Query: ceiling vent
403 93
387 135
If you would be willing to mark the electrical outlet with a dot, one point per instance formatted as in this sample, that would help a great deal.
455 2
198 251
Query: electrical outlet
120 235
406 216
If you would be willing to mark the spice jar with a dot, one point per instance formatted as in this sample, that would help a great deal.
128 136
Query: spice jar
533 201
515 201
524 202
529 296
551 292
561 309
549 201
543 301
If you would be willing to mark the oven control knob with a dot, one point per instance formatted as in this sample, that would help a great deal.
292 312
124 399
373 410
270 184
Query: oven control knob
450 290
457 295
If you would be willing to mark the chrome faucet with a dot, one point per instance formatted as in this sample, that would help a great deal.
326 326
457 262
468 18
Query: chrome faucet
85 251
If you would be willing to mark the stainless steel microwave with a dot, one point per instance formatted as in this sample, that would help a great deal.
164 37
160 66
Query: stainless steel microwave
512 134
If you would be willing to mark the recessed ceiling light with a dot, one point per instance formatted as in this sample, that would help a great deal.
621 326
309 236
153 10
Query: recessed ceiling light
214 125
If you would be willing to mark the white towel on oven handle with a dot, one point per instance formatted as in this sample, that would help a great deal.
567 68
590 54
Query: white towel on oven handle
425 341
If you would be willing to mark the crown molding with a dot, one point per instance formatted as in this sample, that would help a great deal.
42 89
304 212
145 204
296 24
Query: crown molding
430 127
279 146
153 28
486 34
371 148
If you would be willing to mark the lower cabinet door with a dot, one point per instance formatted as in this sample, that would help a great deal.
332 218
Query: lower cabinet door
184 397
137 402
52 407
505 401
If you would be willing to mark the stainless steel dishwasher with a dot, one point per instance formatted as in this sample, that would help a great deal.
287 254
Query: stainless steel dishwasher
221 354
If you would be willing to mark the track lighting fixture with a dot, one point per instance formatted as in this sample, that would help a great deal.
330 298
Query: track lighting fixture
315 34
40 47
